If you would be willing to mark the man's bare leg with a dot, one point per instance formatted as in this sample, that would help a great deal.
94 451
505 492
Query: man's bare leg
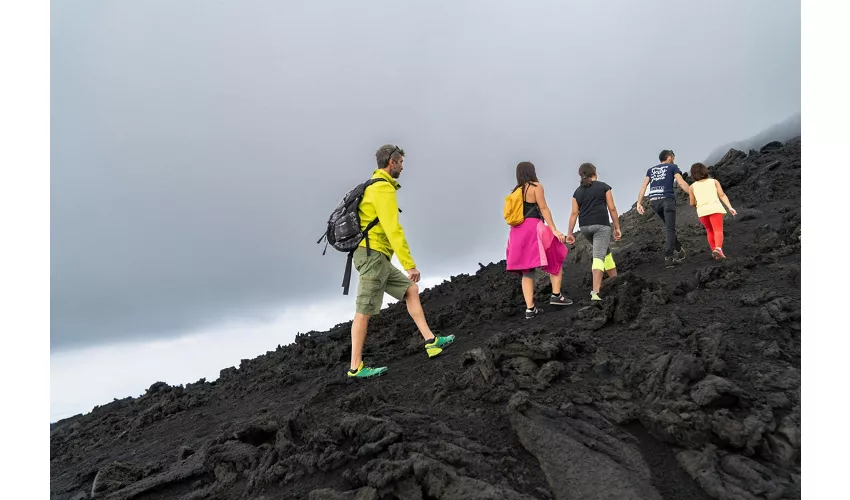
612 272
414 307
358 338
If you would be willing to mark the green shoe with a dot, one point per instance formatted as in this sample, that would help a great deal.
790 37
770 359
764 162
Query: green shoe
435 347
367 371
595 296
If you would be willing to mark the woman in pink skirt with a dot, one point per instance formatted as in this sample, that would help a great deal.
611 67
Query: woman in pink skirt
533 244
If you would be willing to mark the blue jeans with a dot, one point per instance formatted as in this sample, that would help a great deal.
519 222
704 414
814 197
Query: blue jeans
665 208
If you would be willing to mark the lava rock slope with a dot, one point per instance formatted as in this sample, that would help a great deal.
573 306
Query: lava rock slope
682 383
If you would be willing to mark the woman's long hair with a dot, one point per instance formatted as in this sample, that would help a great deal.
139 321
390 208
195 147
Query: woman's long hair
699 172
525 173
586 171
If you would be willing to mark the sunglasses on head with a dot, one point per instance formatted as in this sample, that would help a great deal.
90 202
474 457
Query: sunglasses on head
390 156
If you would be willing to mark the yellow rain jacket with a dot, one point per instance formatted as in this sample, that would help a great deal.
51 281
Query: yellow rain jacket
379 200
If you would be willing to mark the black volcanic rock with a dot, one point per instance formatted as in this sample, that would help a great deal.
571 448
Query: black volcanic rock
681 383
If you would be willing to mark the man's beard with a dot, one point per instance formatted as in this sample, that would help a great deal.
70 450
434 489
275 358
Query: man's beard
395 173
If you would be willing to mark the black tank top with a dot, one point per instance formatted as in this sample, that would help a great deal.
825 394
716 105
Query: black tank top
531 210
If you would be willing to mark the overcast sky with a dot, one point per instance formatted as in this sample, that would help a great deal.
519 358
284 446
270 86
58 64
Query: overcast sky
198 147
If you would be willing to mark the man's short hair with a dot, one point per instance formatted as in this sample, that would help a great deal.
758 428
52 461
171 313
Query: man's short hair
387 152
662 156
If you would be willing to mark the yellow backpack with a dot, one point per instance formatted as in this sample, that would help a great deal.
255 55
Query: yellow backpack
514 215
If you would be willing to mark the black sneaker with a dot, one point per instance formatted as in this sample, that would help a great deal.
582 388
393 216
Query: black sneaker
671 262
679 255
530 314
559 300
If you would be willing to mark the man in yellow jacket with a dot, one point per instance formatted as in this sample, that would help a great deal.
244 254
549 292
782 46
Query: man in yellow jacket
377 273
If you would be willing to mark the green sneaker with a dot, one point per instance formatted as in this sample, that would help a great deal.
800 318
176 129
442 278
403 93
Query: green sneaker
595 296
436 345
367 371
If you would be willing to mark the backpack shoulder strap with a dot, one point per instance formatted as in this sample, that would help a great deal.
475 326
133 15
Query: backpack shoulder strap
346 276
374 180
525 190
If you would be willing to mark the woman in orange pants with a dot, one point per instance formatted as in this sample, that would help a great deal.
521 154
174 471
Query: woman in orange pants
706 195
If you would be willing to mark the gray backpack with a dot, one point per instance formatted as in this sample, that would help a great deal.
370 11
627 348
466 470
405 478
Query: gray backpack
343 231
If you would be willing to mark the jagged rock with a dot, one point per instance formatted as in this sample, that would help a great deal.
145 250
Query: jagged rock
364 493
602 363
715 391
757 298
594 317
710 343
782 447
771 146
731 156
128 483
113 477
577 457
733 477
664 376
157 388
548 372
772 378
772 351
184 452
777 400
418 477
744 434
533 344
371 435
687 427
480 377
619 412
727 276
521 370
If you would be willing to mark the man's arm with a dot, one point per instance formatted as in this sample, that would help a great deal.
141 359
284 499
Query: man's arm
386 205
641 193
682 183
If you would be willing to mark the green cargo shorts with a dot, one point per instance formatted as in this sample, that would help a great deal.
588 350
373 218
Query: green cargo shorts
377 276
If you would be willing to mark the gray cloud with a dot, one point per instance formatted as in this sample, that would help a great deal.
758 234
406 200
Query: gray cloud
198 148
786 129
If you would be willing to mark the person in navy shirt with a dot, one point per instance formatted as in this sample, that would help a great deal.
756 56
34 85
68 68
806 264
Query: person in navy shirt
660 180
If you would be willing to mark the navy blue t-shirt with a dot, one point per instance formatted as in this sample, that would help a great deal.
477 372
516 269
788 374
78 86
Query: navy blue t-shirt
661 179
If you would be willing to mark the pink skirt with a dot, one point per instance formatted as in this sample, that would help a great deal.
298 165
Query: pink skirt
532 244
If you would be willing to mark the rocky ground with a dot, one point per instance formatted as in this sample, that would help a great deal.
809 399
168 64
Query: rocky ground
683 383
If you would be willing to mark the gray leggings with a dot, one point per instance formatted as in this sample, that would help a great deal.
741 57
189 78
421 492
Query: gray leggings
600 236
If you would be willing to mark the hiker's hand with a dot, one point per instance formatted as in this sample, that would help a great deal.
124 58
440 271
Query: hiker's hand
640 208
559 235
413 274
733 212
617 235
570 239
